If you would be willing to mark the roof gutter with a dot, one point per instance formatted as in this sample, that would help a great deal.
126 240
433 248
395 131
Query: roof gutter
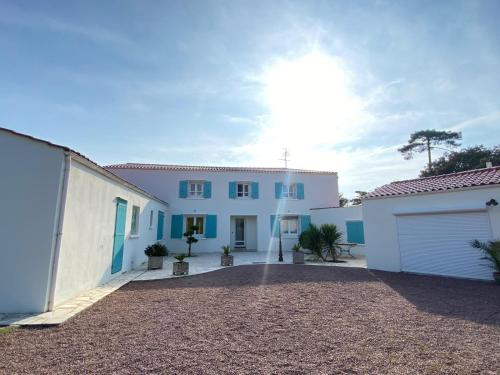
60 220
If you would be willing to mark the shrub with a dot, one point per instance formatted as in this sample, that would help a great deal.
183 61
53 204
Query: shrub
330 236
296 247
491 250
156 250
180 258
190 238
311 239
226 249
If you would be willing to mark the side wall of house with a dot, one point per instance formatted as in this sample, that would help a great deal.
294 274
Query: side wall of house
320 190
30 187
381 233
339 216
88 231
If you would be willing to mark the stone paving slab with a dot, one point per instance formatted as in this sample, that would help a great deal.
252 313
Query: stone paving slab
71 307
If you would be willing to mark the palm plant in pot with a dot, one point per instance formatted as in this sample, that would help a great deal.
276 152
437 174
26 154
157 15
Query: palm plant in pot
180 267
156 253
298 255
225 258
491 250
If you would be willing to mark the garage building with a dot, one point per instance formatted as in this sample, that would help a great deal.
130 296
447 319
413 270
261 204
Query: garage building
425 225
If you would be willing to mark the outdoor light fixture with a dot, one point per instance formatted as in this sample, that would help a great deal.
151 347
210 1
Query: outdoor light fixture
280 253
492 202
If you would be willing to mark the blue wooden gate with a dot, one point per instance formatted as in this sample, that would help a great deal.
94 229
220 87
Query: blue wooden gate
119 237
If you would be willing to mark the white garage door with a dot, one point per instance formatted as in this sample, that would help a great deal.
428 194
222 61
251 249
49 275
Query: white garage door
438 244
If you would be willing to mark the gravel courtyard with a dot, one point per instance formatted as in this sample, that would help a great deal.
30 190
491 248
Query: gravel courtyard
274 319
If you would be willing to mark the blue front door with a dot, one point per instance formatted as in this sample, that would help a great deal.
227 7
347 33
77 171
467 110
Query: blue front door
119 237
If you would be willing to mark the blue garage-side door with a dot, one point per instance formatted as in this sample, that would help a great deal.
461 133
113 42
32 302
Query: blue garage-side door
355 231
161 224
119 237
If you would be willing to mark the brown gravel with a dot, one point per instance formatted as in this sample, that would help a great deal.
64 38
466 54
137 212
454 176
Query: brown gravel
276 319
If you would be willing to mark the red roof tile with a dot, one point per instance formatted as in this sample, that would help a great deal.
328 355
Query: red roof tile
199 168
445 182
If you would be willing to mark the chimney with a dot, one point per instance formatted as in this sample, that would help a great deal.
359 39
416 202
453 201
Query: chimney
489 164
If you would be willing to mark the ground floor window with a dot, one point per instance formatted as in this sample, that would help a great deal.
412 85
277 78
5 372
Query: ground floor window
198 221
134 229
289 225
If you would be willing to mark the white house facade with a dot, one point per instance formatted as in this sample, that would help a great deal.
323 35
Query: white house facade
240 207
67 224
426 225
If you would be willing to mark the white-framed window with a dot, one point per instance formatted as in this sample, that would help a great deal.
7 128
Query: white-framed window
134 227
289 225
151 219
198 221
243 190
195 189
289 191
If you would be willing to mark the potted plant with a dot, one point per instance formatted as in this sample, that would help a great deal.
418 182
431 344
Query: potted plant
190 238
298 255
225 258
491 250
155 253
180 267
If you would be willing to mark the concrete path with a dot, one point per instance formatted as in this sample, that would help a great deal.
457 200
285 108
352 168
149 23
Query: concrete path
200 263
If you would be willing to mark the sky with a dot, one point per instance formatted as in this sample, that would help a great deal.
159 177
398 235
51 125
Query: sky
341 84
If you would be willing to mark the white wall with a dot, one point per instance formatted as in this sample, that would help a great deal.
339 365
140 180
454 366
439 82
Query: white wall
320 190
30 187
89 222
339 216
381 237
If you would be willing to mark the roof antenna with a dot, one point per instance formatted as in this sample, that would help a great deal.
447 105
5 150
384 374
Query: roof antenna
286 154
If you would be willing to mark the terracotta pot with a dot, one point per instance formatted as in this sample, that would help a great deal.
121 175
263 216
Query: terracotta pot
155 263
298 257
496 276
181 268
226 260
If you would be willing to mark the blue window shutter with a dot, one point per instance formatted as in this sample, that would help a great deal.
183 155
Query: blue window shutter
278 190
232 190
161 224
176 227
183 189
355 232
300 190
255 190
305 221
211 226
207 189
274 226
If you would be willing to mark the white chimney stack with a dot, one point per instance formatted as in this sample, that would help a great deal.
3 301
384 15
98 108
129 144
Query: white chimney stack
489 164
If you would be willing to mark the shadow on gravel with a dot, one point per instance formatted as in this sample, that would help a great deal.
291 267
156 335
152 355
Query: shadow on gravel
260 274
475 301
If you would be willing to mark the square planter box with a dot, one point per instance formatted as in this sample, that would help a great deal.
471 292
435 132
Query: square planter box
155 263
298 257
226 260
181 268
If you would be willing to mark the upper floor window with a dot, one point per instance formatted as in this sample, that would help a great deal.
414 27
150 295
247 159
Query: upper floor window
134 229
243 190
289 191
195 189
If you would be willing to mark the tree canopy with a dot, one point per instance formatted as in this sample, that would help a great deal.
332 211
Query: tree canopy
426 140
474 157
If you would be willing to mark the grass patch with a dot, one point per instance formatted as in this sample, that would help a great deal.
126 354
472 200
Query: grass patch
5 330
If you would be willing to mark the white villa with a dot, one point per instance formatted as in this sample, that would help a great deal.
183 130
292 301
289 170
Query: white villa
234 206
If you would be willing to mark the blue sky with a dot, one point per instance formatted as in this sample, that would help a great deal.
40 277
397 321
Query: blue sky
342 84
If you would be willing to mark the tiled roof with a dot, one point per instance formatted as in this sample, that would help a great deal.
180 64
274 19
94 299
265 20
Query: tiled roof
76 153
199 168
445 182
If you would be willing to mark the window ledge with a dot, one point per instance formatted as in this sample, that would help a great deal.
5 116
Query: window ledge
134 236
195 198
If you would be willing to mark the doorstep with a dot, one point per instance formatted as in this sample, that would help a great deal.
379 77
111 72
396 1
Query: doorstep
71 307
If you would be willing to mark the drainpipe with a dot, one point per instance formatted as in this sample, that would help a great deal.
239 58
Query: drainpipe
60 221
